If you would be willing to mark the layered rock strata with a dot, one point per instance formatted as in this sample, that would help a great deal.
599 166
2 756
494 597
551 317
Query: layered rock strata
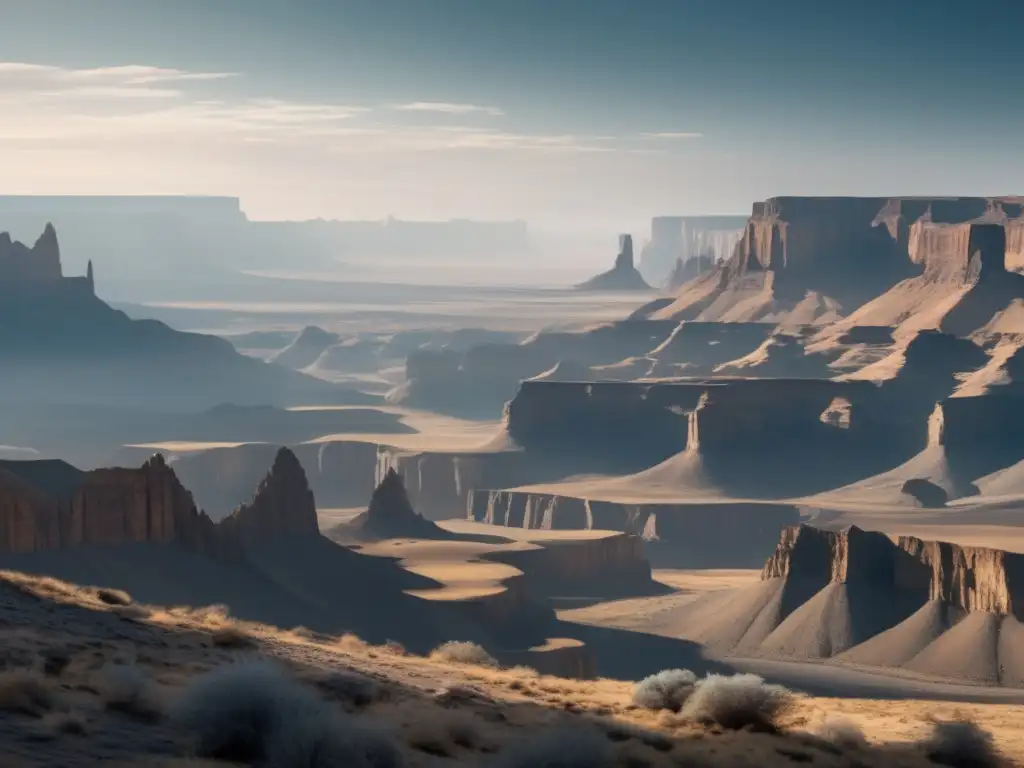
972 579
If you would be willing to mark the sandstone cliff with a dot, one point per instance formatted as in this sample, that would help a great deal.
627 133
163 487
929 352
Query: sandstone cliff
122 506
687 238
837 253
972 579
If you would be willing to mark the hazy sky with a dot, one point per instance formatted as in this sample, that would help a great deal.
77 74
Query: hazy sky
557 111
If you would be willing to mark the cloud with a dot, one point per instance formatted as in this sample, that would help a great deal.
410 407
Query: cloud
673 135
446 108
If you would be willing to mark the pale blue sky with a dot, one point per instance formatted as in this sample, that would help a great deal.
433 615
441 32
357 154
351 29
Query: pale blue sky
559 111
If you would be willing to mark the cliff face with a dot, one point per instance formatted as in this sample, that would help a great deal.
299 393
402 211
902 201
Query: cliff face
845 250
121 506
695 534
973 579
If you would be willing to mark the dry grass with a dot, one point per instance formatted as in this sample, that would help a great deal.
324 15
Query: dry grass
442 732
70 723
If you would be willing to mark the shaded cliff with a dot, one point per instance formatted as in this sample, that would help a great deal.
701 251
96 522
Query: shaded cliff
928 608
687 238
622 277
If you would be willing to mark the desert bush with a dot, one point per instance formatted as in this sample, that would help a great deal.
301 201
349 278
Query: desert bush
112 596
352 643
133 612
25 692
843 734
458 652
738 701
668 689
256 712
230 636
232 710
395 648
565 747
961 745
127 689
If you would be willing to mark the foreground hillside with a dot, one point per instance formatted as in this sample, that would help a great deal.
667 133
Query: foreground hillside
91 676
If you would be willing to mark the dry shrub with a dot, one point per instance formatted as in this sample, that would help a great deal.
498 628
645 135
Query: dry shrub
395 648
738 701
668 689
256 712
111 596
25 692
843 734
127 689
231 636
458 652
352 643
961 745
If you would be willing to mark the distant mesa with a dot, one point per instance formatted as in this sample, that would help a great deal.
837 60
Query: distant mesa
305 348
623 276
60 343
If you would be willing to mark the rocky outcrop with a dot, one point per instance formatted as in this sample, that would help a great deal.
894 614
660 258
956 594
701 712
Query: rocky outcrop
110 507
972 579
391 516
118 506
283 505
623 276
41 262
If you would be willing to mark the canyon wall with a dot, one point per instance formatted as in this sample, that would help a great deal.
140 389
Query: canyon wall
726 534
974 579
686 238
121 506
847 249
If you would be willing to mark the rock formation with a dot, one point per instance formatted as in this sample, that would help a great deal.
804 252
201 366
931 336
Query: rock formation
61 343
109 507
623 276
41 262
391 516
972 579
835 253
282 507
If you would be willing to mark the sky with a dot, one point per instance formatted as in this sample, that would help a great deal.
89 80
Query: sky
566 113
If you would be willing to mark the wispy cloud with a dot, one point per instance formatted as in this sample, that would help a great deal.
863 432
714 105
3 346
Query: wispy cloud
447 108
673 135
